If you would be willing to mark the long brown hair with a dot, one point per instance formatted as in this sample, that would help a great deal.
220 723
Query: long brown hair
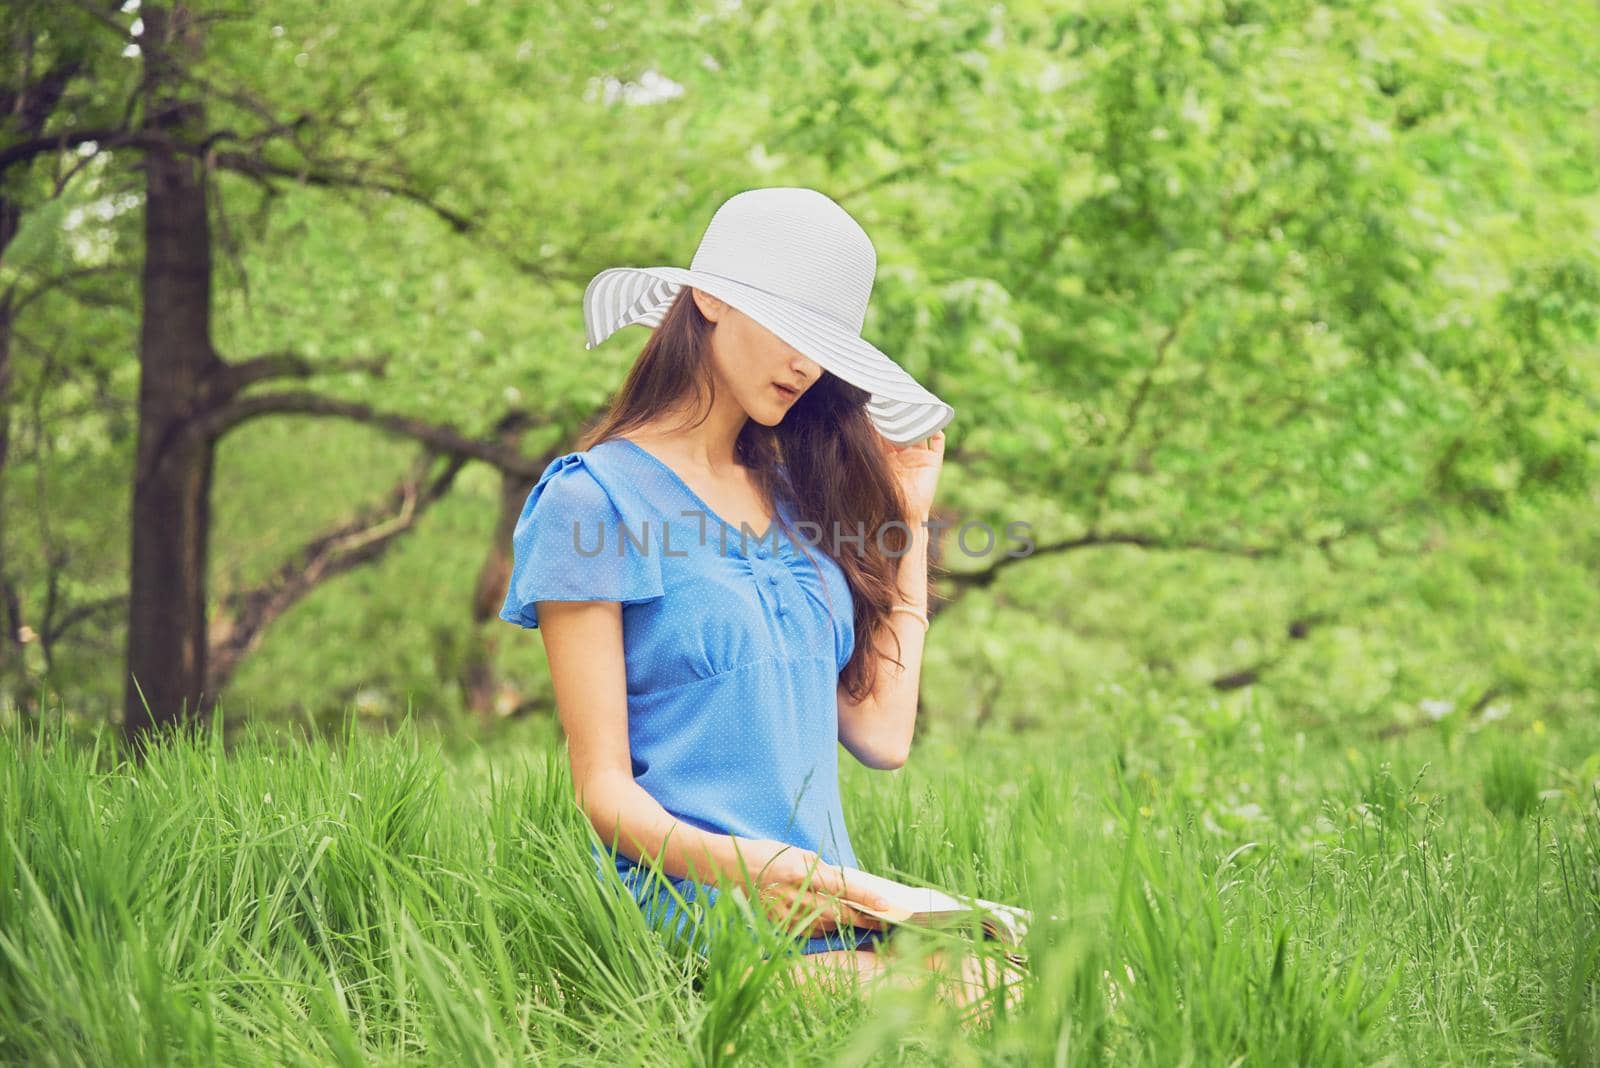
834 457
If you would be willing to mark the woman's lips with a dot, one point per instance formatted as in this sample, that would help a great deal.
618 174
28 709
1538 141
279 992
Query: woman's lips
785 392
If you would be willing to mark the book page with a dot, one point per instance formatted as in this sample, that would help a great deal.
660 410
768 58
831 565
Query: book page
910 900
908 903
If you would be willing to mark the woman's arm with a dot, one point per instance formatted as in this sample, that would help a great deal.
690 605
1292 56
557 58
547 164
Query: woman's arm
583 644
877 730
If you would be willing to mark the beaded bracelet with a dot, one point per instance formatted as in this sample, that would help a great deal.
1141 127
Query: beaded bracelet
910 611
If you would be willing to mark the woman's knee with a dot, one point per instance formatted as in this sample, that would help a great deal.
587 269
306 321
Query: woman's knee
963 985
861 964
972 981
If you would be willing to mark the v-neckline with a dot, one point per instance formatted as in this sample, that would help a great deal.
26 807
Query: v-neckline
766 535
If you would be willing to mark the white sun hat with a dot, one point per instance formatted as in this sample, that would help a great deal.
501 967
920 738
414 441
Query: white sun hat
797 263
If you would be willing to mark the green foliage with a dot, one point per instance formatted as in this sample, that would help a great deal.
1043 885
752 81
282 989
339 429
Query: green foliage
1226 274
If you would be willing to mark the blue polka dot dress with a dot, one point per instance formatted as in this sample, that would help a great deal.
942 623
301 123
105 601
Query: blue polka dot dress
734 641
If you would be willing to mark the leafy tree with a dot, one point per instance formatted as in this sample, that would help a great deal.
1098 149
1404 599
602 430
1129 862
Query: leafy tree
1248 280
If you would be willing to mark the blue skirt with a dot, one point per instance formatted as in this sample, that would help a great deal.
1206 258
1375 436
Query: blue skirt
661 909
865 938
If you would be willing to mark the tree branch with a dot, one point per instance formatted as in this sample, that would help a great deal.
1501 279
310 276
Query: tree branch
255 167
966 580
219 421
104 137
243 616
261 170
1131 419
61 281
232 378
1297 630
53 628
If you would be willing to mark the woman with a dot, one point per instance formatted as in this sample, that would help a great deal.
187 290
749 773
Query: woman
731 571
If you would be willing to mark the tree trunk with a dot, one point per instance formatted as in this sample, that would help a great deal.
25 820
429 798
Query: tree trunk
171 496
478 683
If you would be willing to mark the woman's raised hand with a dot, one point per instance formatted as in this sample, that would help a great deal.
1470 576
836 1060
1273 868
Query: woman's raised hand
916 467
791 882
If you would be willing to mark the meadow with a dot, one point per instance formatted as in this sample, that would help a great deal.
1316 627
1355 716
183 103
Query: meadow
1209 887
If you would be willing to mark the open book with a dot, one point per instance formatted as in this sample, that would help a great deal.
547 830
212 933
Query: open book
927 907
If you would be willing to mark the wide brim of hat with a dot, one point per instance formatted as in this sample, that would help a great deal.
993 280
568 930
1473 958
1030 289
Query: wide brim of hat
900 407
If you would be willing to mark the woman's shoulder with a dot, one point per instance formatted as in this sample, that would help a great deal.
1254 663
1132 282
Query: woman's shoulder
587 479
576 508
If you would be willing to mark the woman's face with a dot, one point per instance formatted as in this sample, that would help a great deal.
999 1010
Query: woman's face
753 364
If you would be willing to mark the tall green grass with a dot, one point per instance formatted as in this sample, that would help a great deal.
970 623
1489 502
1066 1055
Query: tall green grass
1210 888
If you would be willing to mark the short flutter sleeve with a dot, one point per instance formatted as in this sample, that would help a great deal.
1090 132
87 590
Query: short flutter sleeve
574 542
844 639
